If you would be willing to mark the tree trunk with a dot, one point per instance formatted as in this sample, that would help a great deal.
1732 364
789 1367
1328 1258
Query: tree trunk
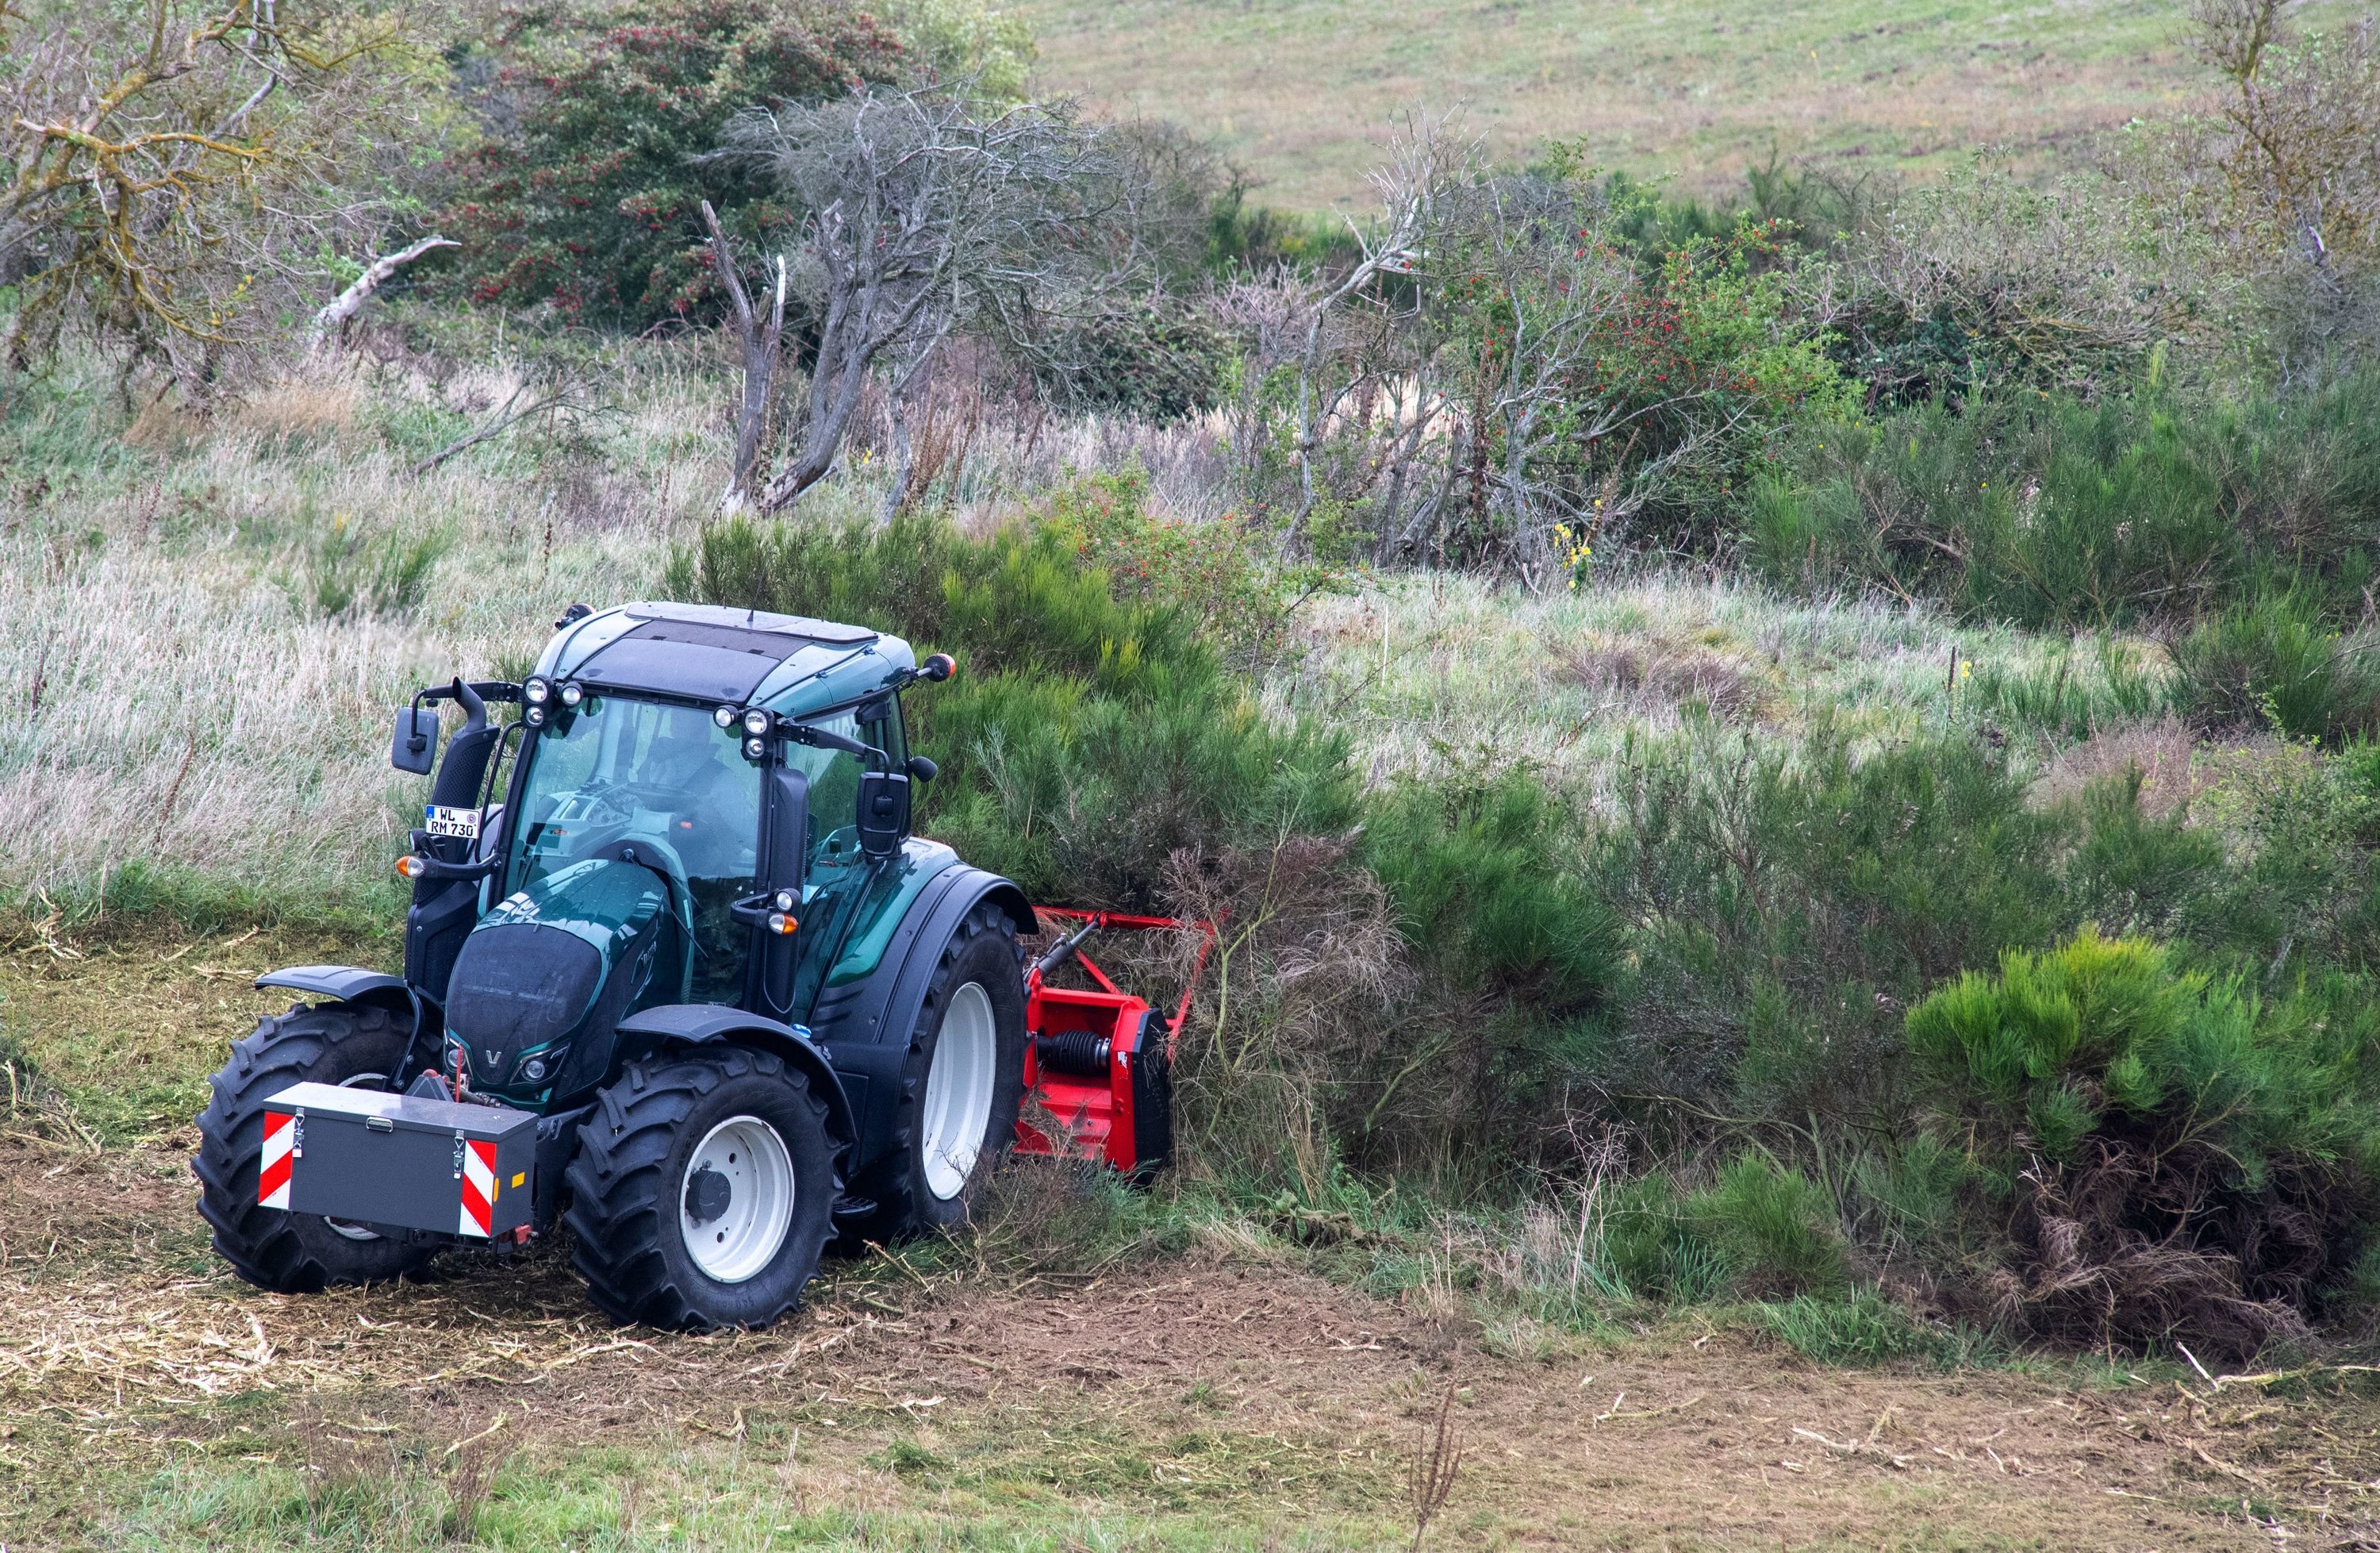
759 343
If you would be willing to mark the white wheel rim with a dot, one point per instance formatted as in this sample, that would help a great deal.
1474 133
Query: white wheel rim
745 1237
958 1091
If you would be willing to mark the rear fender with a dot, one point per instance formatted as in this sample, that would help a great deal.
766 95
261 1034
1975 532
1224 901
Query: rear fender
697 1025
868 1030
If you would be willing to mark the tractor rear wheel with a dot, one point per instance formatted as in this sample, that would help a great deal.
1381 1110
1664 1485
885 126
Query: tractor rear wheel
295 1252
703 1191
960 1082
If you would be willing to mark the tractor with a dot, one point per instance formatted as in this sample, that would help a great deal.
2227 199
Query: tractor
678 976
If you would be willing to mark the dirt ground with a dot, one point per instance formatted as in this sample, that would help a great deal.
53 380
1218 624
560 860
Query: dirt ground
117 1340
1228 1383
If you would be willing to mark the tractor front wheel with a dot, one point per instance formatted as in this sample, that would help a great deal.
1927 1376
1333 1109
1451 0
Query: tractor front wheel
703 1191
295 1252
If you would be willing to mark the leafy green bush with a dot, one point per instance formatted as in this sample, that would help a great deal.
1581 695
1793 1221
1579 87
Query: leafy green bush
590 205
2172 1156
2269 661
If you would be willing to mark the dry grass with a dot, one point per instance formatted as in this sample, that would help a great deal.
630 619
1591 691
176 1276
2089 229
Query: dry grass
1304 91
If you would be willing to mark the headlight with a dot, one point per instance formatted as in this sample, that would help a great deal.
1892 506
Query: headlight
756 722
724 716
534 691
572 695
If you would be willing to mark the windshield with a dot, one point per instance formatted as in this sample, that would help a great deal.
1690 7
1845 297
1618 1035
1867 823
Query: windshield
618 770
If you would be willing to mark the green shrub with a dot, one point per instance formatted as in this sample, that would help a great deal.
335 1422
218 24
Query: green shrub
590 205
1093 733
1776 1228
339 572
1658 1248
2268 661
1788 899
1760 1229
1474 868
2178 1156
2053 514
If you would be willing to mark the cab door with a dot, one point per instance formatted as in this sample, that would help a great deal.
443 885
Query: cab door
838 873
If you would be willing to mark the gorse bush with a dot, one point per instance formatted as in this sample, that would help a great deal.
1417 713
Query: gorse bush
2270 661
1093 733
2170 1154
2054 511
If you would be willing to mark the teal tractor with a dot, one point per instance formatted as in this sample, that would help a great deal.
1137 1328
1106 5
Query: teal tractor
677 976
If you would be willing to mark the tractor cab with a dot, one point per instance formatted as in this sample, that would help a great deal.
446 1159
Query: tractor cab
695 806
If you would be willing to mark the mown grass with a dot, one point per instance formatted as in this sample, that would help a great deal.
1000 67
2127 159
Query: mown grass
1302 91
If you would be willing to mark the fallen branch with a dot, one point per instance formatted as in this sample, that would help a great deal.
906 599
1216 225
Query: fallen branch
497 427
333 320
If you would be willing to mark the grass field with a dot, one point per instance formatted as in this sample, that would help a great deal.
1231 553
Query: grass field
1301 92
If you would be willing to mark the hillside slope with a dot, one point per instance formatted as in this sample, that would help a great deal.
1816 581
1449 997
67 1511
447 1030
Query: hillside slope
1300 91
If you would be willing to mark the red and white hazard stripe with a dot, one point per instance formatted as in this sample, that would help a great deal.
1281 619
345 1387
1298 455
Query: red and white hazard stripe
273 1175
478 1187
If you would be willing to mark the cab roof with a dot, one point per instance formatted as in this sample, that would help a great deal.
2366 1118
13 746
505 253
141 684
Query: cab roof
737 657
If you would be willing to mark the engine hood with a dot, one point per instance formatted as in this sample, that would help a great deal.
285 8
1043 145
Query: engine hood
544 967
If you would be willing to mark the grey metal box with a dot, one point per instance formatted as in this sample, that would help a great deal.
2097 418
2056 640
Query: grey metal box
397 1160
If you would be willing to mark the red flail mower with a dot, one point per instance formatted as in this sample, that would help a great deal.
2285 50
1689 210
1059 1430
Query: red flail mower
1098 1070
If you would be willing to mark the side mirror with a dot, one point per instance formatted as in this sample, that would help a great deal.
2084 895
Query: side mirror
414 746
923 769
883 811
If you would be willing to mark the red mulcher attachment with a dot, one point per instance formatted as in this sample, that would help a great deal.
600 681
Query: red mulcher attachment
1100 1063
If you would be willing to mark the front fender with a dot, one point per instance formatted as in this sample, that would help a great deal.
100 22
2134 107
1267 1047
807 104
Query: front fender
701 1024
342 984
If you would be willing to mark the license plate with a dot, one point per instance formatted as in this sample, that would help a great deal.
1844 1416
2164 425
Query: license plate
463 825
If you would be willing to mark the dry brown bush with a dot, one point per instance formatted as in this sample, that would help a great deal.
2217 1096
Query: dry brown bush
1655 675
1298 1007
2090 1268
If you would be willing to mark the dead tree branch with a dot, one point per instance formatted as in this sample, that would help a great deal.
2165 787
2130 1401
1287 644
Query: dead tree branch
331 321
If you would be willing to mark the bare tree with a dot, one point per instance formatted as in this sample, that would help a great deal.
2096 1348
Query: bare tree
2294 154
760 342
925 213
167 170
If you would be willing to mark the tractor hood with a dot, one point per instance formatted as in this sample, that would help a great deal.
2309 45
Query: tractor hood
544 976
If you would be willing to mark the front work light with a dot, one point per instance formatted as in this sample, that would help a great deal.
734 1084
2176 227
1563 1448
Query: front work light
536 690
724 716
534 717
756 722
756 748
572 695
